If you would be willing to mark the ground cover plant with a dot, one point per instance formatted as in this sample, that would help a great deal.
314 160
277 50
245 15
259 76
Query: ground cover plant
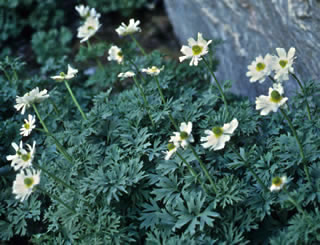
144 149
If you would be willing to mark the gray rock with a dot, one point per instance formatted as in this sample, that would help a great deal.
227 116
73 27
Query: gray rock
249 28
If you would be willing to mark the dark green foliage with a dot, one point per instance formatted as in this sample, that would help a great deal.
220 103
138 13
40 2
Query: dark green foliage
124 190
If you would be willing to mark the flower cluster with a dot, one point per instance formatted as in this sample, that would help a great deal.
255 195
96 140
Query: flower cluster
261 68
281 64
91 24
215 139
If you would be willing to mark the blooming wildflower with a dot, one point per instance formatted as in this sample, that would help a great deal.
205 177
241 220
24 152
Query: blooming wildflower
124 30
183 137
115 53
34 96
195 50
218 136
260 68
278 183
28 125
70 74
172 148
126 74
85 11
22 158
271 102
153 71
88 29
24 183
283 64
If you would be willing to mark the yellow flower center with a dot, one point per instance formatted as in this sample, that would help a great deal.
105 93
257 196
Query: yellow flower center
183 135
90 28
171 146
62 74
275 96
26 125
277 181
196 49
154 69
120 54
283 63
218 131
26 157
260 66
28 182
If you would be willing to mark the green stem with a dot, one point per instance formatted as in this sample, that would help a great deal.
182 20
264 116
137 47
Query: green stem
250 169
303 91
165 103
218 85
40 119
205 170
64 204
89 45
192 171
54 177
306 170
15 74
54 106
59 146
75 100
146 104
272 79
291 199
138 44
137 69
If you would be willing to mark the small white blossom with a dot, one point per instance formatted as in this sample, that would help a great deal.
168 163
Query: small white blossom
22 158
195 50
272 102
34 96
24 183
28 125
260 68
183 137
85 11
126 74
152 71
172 148
124 30
88 29
70 74
115 53
282 64
218 136
278 183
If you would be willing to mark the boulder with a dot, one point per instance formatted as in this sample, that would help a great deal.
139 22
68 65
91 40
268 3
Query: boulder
248 28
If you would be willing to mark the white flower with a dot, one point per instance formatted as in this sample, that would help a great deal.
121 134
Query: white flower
28 125
34 96
22 158
278 183
126 74
282 64
88 29
260 68
115 53
172 148
183 137
218 136
152 71
70 74
272 102
24 183
195 50
124 30
85 12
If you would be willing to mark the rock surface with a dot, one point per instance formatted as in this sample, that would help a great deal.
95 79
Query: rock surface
249 28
